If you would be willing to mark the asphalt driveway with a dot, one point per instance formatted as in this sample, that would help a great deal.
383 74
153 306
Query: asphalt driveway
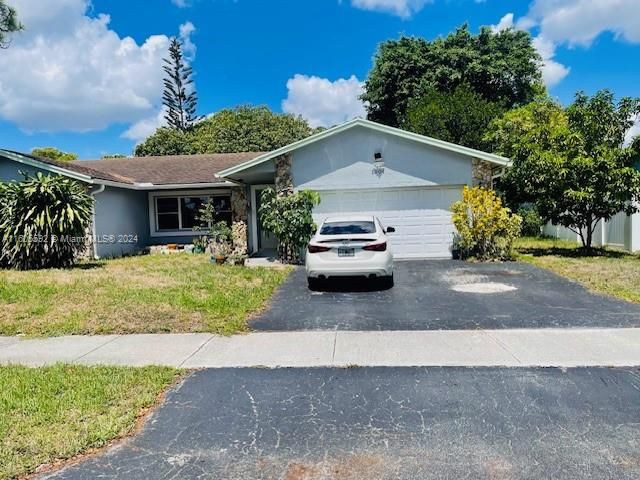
386 423
445 295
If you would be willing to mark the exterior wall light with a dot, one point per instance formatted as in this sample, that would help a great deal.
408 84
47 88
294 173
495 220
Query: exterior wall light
378 164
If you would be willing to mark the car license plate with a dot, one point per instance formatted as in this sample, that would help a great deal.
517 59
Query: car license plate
346 252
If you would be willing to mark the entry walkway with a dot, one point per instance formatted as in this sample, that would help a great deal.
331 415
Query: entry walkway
510 348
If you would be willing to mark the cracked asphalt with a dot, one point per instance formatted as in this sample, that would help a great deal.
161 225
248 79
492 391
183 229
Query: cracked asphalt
423 299
387 423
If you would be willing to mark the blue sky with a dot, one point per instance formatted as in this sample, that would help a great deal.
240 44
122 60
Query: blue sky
85 77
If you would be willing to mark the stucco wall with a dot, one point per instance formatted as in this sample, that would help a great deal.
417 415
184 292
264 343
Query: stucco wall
121 212
10 170
345 161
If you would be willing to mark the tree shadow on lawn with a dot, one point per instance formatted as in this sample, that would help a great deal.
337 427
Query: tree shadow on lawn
577 252
86 266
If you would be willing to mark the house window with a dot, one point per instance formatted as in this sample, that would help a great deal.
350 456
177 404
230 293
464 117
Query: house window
180 213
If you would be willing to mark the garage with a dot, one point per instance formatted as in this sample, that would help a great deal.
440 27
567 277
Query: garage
407 180
420 215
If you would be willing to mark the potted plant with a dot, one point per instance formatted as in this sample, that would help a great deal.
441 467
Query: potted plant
200 244
220 251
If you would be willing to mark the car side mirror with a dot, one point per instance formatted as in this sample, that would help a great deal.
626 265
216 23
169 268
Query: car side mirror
390 230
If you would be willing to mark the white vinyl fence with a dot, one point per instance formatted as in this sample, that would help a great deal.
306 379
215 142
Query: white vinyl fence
621 231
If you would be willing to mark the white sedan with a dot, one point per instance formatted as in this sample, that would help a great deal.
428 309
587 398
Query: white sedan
350 246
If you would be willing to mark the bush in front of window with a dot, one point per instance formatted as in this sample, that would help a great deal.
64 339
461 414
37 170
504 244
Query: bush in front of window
44 221
289 218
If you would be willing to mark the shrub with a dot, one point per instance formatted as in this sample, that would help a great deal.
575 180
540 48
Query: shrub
289 218
43 222
532 222
486 230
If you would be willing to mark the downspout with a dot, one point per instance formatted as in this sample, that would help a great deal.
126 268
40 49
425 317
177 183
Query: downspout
94 233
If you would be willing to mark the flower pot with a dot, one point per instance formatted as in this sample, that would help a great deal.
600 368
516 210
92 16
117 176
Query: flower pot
220 259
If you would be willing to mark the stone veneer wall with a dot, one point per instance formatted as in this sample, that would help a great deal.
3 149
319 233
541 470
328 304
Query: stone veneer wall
481 173
239 213
283 177
239 204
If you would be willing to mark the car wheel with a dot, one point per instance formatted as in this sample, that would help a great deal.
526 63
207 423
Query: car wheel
387 282
313 283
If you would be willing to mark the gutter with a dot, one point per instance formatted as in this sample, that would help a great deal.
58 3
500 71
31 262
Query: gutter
94 232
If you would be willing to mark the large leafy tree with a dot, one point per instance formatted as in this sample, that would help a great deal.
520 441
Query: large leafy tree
8 23
571 163
502 67
179 96
460 117
166 141
54 154
248 129
242 129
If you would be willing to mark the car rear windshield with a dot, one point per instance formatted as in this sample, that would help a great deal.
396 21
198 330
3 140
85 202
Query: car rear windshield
347 228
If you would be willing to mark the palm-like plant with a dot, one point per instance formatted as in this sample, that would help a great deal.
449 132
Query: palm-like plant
43 222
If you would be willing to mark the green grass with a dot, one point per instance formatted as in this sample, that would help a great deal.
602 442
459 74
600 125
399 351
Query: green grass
54 413
144 294
610 272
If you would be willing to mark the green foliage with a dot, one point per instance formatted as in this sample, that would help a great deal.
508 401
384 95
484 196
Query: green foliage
486 230
460 117
43 222
571 163
179 96
54 154
166 141
289 218
502 67
8 23
532 222
242 129
248 129
215 232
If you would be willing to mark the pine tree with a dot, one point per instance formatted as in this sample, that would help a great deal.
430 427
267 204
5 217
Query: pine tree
179 96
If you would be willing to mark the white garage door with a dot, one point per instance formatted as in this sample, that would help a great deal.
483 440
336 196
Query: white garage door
420 216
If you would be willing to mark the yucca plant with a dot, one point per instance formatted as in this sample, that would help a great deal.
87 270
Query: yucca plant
43 222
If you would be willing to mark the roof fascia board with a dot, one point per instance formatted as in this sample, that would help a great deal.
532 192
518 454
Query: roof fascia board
45 166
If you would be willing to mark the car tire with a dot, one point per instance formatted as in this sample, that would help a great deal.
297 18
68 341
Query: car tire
314 283
387 282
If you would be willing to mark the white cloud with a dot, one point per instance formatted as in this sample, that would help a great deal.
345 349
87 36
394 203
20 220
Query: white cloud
70 72
401 8
188 47
552 72
579 22
576 23
323 102
505 23
141 129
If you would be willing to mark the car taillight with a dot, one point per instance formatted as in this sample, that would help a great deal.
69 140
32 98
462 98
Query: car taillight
376 247
318 249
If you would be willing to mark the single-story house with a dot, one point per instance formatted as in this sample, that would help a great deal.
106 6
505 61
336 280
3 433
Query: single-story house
408 180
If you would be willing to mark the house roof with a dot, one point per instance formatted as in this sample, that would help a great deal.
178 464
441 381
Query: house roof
359 122
141 172
170 169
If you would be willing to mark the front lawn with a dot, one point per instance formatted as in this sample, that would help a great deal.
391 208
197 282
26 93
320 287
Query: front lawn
144 294
606 271
53 413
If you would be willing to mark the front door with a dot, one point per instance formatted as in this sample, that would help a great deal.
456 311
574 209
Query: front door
266 239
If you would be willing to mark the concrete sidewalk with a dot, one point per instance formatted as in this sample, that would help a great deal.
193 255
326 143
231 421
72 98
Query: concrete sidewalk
511 348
